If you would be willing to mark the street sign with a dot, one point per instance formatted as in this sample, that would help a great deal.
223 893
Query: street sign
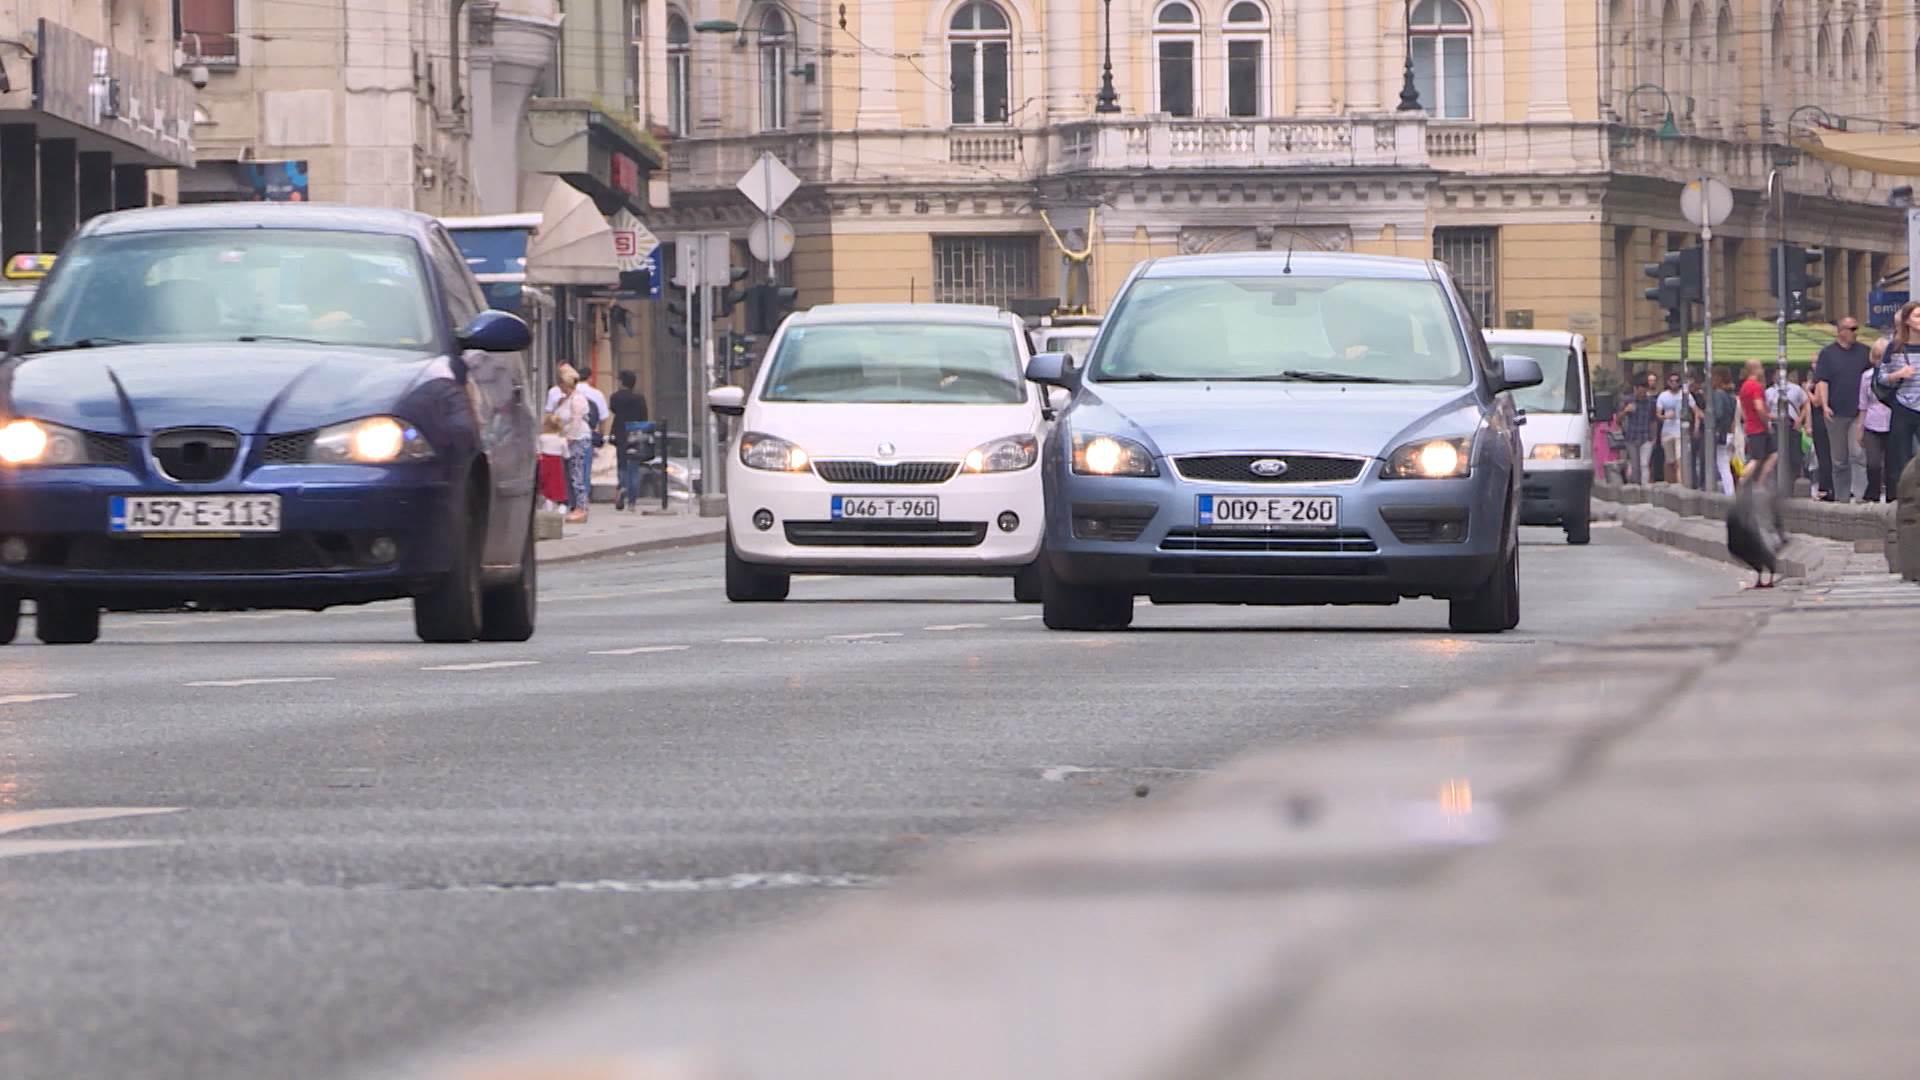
654 273
1706 202
632 241
782 238
768 184
1883 305
715 257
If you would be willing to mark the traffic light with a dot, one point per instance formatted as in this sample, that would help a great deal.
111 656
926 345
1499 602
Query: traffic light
1667 293
739 351
767 305
729 296
1802 276
678 303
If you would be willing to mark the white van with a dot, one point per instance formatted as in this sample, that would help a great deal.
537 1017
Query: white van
1557 432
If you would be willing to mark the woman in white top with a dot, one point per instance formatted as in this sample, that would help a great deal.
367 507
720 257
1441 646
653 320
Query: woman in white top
573 411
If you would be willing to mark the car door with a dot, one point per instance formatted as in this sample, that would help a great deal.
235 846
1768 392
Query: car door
504 413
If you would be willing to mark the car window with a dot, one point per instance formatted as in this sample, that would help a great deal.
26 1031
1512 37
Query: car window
463 298
362 290
1074 345
897 363
1559 366
13 304
1279 328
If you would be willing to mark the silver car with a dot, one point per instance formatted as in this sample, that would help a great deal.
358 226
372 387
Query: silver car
1280 428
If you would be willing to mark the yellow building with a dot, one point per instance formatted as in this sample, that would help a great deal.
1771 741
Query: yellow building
936 141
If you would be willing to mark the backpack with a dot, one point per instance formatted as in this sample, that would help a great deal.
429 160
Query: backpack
593 422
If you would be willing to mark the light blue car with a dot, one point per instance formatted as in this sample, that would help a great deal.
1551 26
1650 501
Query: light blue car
1284 428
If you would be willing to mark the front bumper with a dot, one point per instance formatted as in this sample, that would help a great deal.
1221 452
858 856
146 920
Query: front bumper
330 517
1395 539
966 539
1552 496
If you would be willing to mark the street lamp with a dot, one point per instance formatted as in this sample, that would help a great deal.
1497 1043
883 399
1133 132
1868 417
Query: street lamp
1409 93
1668 129
1109 100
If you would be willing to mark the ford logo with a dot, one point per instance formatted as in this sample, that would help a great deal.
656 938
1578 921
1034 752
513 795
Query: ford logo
1268 467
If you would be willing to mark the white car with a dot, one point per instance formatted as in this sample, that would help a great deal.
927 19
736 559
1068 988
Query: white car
1558 430
886 439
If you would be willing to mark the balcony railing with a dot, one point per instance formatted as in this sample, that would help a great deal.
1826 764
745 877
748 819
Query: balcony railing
1239 144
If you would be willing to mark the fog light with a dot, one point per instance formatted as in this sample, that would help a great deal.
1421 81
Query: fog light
14 550
763 520
383 550
1009 521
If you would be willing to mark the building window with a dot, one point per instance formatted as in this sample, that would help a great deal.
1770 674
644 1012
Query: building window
980 47
1471 257
637 56
679 70
1176 46
1246 33
985 269
776 53
1443 58
206 30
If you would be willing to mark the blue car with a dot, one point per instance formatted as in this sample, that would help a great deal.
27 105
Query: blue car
253 405
1284 428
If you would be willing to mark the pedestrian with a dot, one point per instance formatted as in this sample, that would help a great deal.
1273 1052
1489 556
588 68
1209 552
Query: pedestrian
1789 396
553 464
629 410
1635 419
573 410
1724 410
1673 407
1896 374
1836 375
1870 439
1756 421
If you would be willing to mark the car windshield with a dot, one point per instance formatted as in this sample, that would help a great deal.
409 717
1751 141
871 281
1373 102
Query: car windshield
1298 328
359 290
1074 345
1560 392
897 364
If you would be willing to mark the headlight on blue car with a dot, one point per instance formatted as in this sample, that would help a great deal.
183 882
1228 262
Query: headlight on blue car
375 440
772 453
1111 455
1431 459
30 442
1011 454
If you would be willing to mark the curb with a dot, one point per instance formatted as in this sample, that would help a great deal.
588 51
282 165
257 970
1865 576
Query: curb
633 547
1810 559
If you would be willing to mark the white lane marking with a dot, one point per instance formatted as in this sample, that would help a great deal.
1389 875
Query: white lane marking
40 819
490 665
1020 618
640 650
729 883
743 641
264 682
863 637
28 699
1059 773
957 626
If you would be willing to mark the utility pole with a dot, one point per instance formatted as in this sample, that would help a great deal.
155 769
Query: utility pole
691 246
713 497
1710 449
1777 185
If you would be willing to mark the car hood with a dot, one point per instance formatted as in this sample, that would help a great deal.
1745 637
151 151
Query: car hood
1345 418
251 388
937 432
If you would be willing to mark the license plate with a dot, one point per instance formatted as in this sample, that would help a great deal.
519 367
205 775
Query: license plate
856 507
1257 511
193 514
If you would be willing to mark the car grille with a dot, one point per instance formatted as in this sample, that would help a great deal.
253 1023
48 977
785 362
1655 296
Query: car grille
287 449
1301 468
196 455
901 534
876 472
108 450
280 554
1274 542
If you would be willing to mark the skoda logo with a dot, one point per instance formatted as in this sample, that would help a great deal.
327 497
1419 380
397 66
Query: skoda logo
886 449
1268 467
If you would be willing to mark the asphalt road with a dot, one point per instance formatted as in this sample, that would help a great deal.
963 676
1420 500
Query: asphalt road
368 844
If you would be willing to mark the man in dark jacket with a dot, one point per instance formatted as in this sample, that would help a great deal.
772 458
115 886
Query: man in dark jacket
629 407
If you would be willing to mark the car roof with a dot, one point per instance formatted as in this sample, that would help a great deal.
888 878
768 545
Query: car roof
1302 263
1532 337
980 314
261 215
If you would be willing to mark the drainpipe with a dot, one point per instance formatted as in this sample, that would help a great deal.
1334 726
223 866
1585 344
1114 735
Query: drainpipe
453 40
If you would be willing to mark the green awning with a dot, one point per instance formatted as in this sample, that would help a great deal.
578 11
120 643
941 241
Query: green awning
1742 340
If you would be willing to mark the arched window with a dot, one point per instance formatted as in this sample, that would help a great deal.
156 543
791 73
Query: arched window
1823 54
679 74
1673 51
1777 40
1176 48
1875 90
1619 55
1726 71
776 56
1443 58
1247 31
980 45
1849 60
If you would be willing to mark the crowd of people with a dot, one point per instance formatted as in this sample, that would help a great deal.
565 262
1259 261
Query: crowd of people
1852 421
577 421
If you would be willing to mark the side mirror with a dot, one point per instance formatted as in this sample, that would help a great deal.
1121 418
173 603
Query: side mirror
496 331
1050 369
727 400
1519 372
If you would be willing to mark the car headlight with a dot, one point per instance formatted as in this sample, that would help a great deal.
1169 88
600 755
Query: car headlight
1556 452
774 454
1011 454
30 442
376 440
1111 455
1431 459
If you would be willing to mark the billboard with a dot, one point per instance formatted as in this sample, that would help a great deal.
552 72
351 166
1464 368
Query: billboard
275 181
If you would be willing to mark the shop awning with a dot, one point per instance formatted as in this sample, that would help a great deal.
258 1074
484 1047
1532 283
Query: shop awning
574 245
1890 153
1742 340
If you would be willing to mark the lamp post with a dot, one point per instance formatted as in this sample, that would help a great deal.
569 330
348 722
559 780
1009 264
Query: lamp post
1409 93
1108 101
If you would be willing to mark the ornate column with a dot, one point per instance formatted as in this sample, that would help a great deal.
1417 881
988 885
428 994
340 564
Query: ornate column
1063 44
1547 100
1313 65
879 106
1363 56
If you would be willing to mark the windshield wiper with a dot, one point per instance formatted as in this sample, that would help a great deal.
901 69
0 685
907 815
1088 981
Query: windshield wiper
250 338
1294 375
1153 376
83 343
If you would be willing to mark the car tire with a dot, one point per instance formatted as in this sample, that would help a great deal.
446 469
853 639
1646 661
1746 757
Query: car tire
750 584
1494 607
1079 607
9 617
450 613
66 620
508 612
1579 526
1028 588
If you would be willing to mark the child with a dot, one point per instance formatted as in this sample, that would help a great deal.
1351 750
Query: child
553 464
